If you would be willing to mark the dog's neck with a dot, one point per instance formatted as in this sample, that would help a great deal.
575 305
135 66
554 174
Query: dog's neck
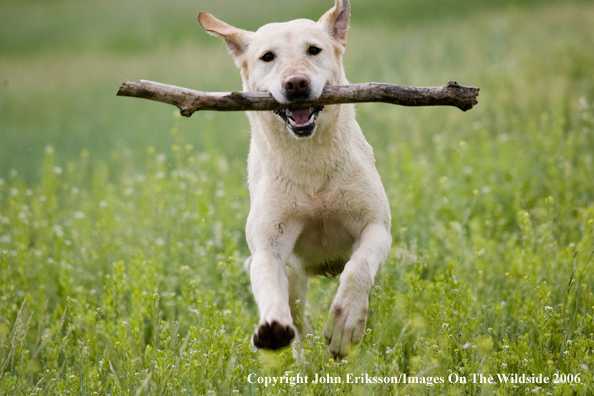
311 162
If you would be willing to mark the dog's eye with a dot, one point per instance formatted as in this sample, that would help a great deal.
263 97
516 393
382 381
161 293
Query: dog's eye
267 57
313 50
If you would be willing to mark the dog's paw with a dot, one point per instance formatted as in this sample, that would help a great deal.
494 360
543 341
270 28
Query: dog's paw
273 335
345 328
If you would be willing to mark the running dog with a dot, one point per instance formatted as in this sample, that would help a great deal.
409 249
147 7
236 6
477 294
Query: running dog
318 206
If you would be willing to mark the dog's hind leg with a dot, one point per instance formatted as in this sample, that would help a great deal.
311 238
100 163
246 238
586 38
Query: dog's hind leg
247 263
298 286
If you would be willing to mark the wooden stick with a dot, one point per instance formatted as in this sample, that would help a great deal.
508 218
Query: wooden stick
190 101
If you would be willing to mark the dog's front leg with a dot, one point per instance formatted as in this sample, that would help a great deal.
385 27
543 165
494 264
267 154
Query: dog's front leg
271 249
345 326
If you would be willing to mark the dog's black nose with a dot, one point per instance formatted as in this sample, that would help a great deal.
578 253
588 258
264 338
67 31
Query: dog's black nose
296 86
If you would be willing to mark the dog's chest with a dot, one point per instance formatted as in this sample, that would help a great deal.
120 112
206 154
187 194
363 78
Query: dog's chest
322 217
327 236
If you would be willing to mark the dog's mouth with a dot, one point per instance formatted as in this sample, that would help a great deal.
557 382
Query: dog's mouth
301 121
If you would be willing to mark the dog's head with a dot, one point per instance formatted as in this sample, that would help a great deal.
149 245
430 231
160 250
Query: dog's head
293 61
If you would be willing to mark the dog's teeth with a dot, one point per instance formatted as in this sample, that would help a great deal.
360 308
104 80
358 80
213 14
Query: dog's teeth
292 122
312 118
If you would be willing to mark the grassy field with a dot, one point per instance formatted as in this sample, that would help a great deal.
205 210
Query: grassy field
121 223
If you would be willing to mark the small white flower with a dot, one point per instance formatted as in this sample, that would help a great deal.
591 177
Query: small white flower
58 230
57 170
223 165
159 241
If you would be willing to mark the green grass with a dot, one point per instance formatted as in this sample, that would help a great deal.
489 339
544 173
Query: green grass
121 224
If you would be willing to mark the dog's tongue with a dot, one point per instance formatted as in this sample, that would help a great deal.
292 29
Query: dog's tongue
300 116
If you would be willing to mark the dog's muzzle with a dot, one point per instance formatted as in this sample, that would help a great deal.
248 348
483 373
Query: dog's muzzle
301 121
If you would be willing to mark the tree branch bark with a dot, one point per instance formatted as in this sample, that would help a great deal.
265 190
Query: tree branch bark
190 101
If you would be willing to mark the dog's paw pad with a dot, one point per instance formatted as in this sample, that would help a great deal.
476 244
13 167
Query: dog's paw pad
273 335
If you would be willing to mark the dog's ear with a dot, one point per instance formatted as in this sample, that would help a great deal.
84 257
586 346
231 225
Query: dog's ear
336 20
236 39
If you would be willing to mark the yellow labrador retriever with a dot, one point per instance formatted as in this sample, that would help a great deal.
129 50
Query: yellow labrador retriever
318 206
